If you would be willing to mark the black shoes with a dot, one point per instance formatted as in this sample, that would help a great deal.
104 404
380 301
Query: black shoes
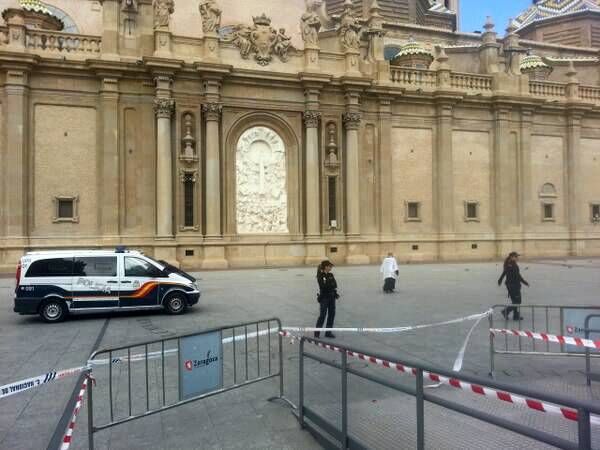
330 335
317 334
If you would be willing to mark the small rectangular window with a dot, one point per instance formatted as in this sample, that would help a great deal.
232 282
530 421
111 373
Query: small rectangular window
105 266
413 211
415 247
65 209
595 212
548 212
332 200
188 201
471 211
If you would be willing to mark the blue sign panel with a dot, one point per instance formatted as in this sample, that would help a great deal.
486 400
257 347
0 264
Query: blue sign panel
201 364
574 324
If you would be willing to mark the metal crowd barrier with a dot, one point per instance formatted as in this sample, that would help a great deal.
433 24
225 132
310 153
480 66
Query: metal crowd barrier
549 319
588 363
331 435
138 380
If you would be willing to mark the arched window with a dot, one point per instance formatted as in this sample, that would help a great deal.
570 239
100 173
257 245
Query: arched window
70 26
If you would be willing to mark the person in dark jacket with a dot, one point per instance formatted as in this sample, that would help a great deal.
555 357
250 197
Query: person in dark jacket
513 285
327 297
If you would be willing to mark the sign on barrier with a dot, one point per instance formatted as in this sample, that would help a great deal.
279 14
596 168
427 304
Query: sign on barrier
201 364
574 325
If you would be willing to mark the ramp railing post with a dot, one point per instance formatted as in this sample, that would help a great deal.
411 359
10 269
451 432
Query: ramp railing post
420 411
344 444
90 406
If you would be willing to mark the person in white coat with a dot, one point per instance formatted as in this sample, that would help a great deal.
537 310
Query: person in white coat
389 270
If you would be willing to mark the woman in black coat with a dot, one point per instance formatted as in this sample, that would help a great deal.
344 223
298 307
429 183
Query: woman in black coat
513 285
327 297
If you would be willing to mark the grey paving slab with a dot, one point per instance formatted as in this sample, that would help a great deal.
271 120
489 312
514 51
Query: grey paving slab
243 418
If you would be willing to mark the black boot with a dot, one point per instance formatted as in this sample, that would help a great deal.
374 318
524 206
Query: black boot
317 334
329 334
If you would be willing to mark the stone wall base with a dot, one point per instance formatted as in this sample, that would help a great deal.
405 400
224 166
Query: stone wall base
225 254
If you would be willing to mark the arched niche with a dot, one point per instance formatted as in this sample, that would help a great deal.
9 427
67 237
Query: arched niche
272 134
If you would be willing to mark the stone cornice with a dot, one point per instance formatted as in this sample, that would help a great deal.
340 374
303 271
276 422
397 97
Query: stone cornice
18 61
162 66
215 70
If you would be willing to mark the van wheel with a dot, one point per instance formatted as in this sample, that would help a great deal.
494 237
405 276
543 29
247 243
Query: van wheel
53 311
176 303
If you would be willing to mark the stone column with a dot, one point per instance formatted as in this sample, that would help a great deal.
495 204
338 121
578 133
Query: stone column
574 176
385 166
351 121
110 29
529 208
505 182
109 188
352 124
212 114
15 112
444 189
313 210
164 107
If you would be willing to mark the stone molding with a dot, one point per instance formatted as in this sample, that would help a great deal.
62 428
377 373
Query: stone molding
351 120
311 118
164 107
212 111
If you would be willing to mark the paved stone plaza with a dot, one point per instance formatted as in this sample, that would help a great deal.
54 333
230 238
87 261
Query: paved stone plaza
244 419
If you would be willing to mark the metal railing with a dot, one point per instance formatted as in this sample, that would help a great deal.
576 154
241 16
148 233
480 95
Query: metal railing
549 319
333 436
588 356
143 374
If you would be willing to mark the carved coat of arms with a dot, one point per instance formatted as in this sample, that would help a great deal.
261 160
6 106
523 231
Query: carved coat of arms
262 40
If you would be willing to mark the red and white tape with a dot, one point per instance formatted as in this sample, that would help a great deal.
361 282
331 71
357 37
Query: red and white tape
578 342
68 437
536 405
29 383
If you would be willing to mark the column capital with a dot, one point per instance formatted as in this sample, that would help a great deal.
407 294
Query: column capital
311 118
163 107
351 120
212 111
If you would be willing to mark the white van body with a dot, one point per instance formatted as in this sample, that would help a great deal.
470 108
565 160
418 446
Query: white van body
55 284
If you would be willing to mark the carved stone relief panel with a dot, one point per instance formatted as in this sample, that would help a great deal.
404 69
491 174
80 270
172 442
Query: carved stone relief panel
261 188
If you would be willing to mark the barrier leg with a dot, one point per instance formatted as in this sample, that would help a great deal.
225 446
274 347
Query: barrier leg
492 349
301 384
344 444
420 411
90 405
585 433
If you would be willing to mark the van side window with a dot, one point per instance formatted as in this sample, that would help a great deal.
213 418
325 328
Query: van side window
105 266
54 267
135 267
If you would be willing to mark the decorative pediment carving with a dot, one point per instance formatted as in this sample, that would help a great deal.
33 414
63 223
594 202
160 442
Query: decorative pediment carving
261 40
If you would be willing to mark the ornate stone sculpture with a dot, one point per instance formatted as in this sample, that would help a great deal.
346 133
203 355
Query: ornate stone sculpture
350 28
189 143
262 40
162 12
311 24
261 203
212 111
163 107
211 16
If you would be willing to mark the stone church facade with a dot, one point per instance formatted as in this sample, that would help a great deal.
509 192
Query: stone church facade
280 132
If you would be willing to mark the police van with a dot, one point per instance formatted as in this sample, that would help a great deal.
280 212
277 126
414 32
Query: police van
55 284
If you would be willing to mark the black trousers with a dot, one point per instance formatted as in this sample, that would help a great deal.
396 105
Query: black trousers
327 309
514 292
389 285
